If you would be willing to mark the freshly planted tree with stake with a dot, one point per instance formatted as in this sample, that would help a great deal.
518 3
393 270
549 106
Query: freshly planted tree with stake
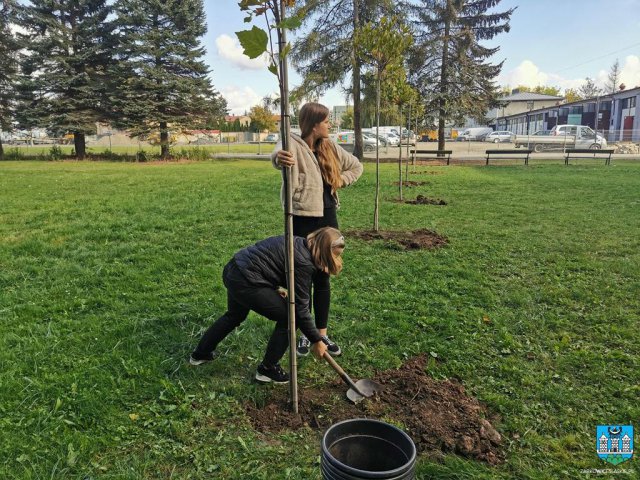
381 45
401 94
255 43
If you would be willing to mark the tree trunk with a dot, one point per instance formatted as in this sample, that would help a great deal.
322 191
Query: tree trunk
443 78
400 159
164 141
80 145
376 208
357 103
1 150
408 129
288 224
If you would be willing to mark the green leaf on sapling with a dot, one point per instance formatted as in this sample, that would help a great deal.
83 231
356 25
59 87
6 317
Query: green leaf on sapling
254 41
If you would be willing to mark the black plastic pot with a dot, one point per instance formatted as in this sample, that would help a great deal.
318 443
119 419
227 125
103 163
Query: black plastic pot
361 449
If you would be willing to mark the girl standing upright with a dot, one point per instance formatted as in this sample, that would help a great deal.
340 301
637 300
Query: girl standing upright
319 167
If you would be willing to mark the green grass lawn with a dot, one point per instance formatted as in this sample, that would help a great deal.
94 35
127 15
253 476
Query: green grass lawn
110 272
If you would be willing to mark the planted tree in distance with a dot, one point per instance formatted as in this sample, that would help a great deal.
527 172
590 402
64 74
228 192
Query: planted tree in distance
400 93
381 45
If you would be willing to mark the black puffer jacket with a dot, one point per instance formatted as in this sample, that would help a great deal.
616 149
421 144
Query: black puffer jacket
263 264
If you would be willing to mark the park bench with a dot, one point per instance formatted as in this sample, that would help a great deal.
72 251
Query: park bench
511 154
582 153
430 155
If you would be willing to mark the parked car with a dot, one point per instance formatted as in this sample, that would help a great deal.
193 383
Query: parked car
499 136
576 136
382 140
271 138
391 138
369 142
475 133
579 130
408 137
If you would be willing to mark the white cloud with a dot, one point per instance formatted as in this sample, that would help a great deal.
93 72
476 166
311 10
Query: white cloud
631 71
229 48
529 75
240 99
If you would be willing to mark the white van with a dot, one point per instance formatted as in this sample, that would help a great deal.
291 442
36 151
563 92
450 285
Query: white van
475 133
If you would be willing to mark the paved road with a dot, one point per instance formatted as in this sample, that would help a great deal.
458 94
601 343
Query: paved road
465 151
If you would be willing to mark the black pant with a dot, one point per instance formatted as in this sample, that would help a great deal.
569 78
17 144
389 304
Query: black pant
241 298
303 226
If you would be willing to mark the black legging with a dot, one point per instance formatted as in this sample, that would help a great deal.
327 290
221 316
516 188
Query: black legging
241 298
303 226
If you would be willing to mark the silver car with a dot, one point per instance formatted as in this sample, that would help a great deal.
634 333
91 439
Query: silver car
499 136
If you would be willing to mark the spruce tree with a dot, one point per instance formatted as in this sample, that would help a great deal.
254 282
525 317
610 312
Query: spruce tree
9 70
65 71
449 66
162 81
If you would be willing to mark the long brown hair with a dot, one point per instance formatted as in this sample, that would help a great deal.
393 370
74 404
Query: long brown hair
326 245
310 115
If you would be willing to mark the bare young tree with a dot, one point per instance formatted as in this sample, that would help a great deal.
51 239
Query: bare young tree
382 46
589 89
613 79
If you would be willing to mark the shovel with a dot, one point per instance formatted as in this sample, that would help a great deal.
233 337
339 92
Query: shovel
360 389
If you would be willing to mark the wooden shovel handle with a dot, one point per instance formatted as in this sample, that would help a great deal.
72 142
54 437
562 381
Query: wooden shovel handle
342 373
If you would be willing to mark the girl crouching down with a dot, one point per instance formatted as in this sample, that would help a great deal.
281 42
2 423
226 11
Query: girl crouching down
253 278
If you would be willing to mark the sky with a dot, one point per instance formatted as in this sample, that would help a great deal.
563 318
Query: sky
551 42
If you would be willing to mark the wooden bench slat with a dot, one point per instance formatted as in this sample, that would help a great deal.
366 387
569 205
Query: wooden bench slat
509 152
593 153
435 154
430 151
589 150
519 150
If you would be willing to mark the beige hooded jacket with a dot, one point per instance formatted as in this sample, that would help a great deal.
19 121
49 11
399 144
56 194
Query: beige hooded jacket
306 179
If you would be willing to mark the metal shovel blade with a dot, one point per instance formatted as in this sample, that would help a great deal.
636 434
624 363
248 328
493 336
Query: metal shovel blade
358 390
365 388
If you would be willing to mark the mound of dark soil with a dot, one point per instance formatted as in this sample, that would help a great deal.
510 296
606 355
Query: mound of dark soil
422 200
414 240
437 414
411 183
426 172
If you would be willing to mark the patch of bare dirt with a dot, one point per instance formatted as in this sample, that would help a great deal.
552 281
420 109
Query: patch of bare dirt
422 200
411 183
426 172
437 414
413 240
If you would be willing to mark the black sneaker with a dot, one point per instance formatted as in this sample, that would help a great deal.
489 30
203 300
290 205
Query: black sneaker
333 348
273 374
302 349
199 359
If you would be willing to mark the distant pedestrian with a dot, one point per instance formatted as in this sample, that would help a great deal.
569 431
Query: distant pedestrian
254 278
320 167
